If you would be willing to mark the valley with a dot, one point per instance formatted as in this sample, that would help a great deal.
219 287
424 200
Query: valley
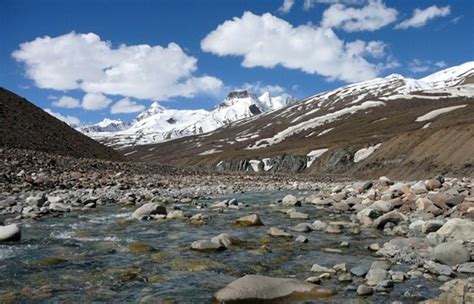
359 194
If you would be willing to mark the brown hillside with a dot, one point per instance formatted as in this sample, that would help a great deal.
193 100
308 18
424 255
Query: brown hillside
25 126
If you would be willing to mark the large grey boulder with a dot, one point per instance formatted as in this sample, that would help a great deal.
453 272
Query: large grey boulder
148 210
226 240
291 200
256 288
458 229
277 232
466 268
207 246
376 275
249 220
457 291
451 253
10 233
303 227
391 217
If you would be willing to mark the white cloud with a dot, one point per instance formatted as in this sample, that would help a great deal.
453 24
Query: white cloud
374 49
286 6
420 66
93 102
260 88
371 17
267 41
85 62
126 105
422 16
67 102
70 120
441 64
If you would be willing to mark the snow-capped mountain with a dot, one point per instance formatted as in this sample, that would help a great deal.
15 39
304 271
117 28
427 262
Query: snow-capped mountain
461 74
404 120
158 123
106 125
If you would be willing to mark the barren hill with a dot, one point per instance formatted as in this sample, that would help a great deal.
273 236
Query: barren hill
25 126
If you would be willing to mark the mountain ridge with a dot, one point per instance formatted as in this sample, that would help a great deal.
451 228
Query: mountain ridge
158 123
369 115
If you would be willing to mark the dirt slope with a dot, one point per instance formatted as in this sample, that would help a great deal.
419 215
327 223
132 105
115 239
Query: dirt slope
26 126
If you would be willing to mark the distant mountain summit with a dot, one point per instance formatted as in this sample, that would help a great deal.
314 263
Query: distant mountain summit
158 123
106 125
25 126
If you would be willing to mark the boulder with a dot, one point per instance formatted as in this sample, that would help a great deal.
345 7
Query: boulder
207 246
319 268
59 207
175 214
423 203
299 215
451 253
301 239
302 227
148 210
226 240
432 226
466 268
277 232
10 233
432 184
256 288
360 270
376 275
334 228
364 290
319 225
291 200
437 268
383 206
249 220
458 291
391 217
458 229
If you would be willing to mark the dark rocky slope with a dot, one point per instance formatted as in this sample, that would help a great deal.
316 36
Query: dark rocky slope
26 126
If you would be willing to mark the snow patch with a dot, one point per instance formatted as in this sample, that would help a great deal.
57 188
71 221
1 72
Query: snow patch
130 153
313 155
208 152
435 113
313 123
325 131
267 164
255 163
365 152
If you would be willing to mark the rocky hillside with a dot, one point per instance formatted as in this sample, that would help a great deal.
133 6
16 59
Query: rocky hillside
402 127
25 126
159 123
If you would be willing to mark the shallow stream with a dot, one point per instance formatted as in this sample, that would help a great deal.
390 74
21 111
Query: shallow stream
87 257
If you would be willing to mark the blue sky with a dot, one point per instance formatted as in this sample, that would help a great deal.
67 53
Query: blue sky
305 47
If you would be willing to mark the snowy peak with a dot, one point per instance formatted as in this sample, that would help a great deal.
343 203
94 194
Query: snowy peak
461 74
155 108
106 125
270 103
393 84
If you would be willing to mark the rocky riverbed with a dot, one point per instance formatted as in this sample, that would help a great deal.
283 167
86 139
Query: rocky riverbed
81 230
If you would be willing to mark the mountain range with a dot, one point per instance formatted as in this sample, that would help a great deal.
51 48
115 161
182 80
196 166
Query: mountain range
158 123
402 126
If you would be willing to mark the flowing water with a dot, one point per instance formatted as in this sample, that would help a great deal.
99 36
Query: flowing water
88 257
